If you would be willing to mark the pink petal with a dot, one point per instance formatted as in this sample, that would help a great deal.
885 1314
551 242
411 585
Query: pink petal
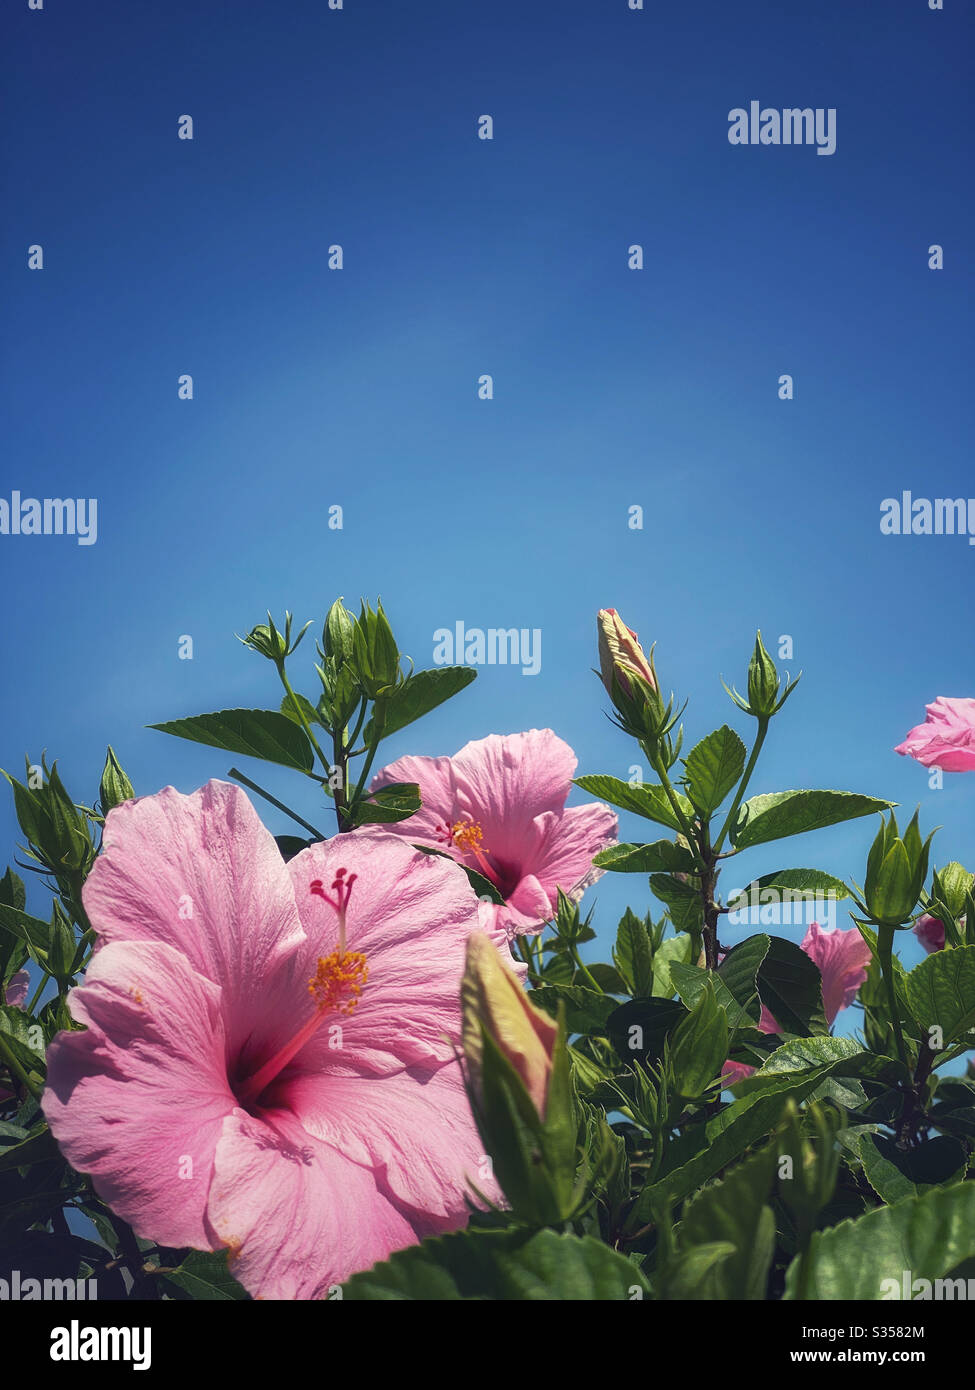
504 782
411 914
202 874
842 957
436 781
417 1132
297 1215
138 1099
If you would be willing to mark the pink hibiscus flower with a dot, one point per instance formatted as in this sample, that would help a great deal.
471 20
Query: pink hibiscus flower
946 739
267 1063
498 806
842 958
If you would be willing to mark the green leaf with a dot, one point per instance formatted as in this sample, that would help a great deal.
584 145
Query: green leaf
739 972
12 891
311 714
663 856
639 1028
895 1174
206 1276
676 950
691 981
257 733
586 1011
787 886
791 988
396 801
31 930
418 695
503 1265
683 901
699 1045
651 802
941 992
736 1210
777 814
721 1141
633 955
865 1260
713 767
37 1148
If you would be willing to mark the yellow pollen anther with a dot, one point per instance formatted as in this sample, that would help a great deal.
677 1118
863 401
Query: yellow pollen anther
338 981
468 836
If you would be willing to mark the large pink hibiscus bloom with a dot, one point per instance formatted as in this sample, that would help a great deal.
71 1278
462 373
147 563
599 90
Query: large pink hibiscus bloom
498 806
842 957
266 1064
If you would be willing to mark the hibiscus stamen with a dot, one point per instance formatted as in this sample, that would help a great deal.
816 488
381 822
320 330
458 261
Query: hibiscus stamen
336 985
468 836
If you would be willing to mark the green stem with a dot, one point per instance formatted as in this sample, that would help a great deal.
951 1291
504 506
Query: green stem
763 724
18 1070
301 716
658 766
239 777
574 953
38 992
885 948
379 720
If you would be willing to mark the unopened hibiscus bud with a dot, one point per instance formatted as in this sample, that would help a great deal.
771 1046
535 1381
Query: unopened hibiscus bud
495 1002
896 869
275 645
620 653
764 684
337 634
520 1089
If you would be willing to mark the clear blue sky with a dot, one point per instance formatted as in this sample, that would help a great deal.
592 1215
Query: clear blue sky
612 387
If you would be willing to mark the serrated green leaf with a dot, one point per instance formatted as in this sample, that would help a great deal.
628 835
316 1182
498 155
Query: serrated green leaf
257 733
713 767
651 802
778 814
418 695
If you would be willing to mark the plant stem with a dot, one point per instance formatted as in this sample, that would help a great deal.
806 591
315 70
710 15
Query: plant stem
301 716
885 946
763 724
18 1069
239 777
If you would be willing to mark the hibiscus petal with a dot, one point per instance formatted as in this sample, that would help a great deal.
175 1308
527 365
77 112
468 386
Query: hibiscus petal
416 1130
435 778
567 844
297 1215
138 1100
505 781
203 874
410 914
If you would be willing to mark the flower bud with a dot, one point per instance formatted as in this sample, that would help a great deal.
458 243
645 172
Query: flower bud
620 653
896 869
275 645
493 1000
930 931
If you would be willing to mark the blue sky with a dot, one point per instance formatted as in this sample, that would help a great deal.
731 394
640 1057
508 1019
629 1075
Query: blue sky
612 387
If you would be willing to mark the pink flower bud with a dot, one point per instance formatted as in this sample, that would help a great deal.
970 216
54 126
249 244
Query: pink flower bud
620 651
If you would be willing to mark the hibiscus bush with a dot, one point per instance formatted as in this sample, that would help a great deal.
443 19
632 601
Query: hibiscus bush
378 1060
